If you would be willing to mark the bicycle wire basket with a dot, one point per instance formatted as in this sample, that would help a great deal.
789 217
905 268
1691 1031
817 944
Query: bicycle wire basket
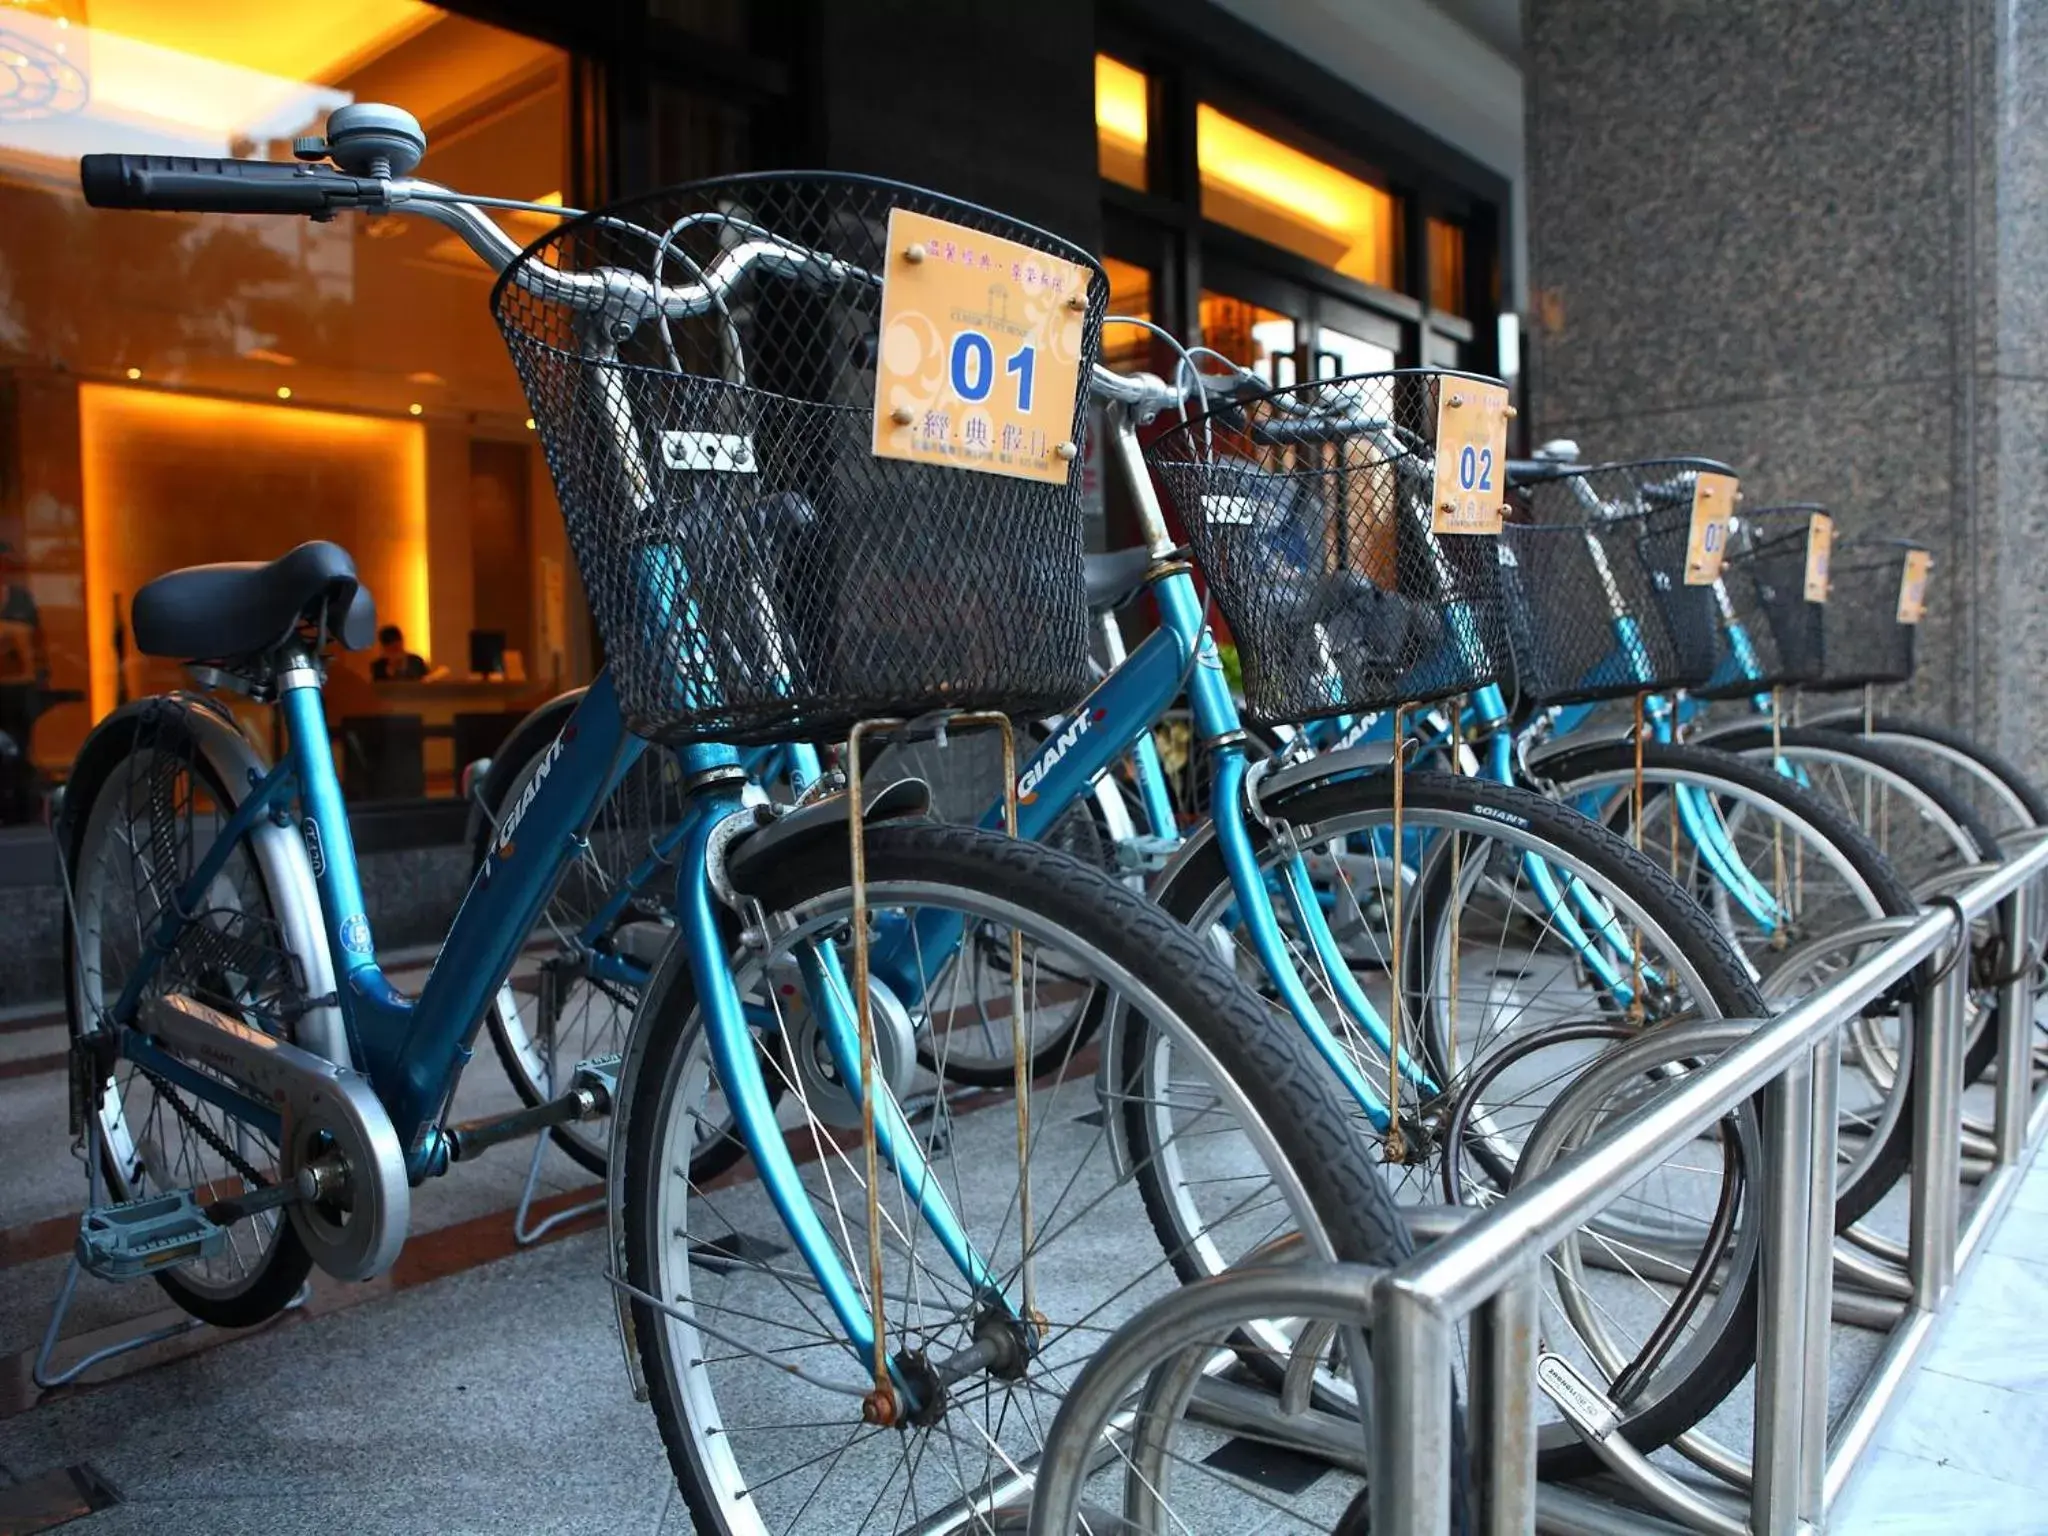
1865 643
1770 634
1593 572
755 571
1309 511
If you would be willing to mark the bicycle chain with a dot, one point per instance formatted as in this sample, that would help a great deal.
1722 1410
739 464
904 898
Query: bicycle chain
206 1133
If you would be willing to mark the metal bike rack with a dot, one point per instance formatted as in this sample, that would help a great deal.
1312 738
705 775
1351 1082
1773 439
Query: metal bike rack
1485 1274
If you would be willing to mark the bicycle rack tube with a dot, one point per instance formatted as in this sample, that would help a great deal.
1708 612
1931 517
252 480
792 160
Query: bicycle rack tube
1484 1273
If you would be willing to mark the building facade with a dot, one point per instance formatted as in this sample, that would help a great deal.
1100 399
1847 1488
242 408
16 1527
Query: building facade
177 389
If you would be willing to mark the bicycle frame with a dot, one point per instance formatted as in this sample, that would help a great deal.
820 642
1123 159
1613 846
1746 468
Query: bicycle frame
1116 719
413 1049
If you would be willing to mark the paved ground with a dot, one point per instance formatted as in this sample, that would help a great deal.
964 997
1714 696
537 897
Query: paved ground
481 1390
1966 1449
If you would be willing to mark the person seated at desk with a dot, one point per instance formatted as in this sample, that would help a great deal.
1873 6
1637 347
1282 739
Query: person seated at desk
394 663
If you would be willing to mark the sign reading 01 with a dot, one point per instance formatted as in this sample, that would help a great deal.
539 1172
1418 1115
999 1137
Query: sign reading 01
1706 546
980 353
1471 455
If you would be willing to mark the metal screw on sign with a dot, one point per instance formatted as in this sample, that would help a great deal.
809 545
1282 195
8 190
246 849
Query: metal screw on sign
1066 450
1448 508
913 254
1457 399
1077 302
1509 413
901 416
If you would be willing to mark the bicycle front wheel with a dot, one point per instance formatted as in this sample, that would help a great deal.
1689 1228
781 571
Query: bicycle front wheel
1534 942
1781 870
755 1389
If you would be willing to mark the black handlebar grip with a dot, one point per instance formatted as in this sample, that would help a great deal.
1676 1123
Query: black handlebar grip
1535 471
180 184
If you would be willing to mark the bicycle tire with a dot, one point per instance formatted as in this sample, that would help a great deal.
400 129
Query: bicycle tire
1995 764
1982 1047
1296 1105
964 777
1855 1199
287 1264
1190 886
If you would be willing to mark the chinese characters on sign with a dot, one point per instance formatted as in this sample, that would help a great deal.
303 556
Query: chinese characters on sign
1820 542
1471 455
1713 503
980 354
1913 586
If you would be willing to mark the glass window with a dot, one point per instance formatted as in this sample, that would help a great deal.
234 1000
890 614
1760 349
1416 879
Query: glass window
1128 347
184 388
1446 266
1122 121
1252 336
1339 354
1262 187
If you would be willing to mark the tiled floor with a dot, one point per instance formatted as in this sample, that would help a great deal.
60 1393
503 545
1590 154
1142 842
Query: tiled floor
1966 1447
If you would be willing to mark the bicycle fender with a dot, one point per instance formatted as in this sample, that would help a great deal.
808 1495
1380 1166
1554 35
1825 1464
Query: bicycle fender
280 851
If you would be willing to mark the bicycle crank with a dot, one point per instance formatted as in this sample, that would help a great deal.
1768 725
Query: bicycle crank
335 1131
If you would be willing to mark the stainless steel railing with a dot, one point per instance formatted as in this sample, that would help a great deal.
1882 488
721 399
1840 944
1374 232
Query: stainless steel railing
1483 1276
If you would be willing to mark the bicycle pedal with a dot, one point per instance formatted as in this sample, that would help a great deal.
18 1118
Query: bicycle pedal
600 1073
136 1238
1145 855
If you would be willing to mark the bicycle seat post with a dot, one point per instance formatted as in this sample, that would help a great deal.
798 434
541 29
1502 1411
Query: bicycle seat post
324 818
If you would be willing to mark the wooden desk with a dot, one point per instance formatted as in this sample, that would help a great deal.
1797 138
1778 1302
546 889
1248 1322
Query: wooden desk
437 704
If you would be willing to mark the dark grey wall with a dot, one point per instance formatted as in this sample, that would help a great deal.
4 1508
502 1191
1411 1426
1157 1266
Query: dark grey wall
1807 236
974 98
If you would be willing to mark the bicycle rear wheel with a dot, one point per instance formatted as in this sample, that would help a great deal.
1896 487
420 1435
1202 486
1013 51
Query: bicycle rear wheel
758 1448
145 803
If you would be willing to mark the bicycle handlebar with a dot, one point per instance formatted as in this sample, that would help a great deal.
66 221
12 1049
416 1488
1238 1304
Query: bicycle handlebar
198 185
185 184
191 184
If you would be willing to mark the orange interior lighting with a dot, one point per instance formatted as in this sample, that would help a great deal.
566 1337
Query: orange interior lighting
173 480
1271 190
1122 121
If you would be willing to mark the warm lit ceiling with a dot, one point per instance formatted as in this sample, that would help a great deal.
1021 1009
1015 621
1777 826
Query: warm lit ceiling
313 43
1120 109
1294 188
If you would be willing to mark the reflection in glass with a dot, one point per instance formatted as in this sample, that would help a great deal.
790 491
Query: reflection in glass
1339 355
1446 266
1252 336
1122 122
1262 187
183 388
1128 347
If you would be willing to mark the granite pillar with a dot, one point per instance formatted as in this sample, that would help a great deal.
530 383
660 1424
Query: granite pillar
1811 237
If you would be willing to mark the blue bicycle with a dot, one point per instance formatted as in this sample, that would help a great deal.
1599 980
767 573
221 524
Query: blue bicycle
878 1321
1522 916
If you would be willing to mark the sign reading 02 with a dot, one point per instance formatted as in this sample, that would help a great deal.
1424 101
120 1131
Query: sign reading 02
980 353
1471 455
